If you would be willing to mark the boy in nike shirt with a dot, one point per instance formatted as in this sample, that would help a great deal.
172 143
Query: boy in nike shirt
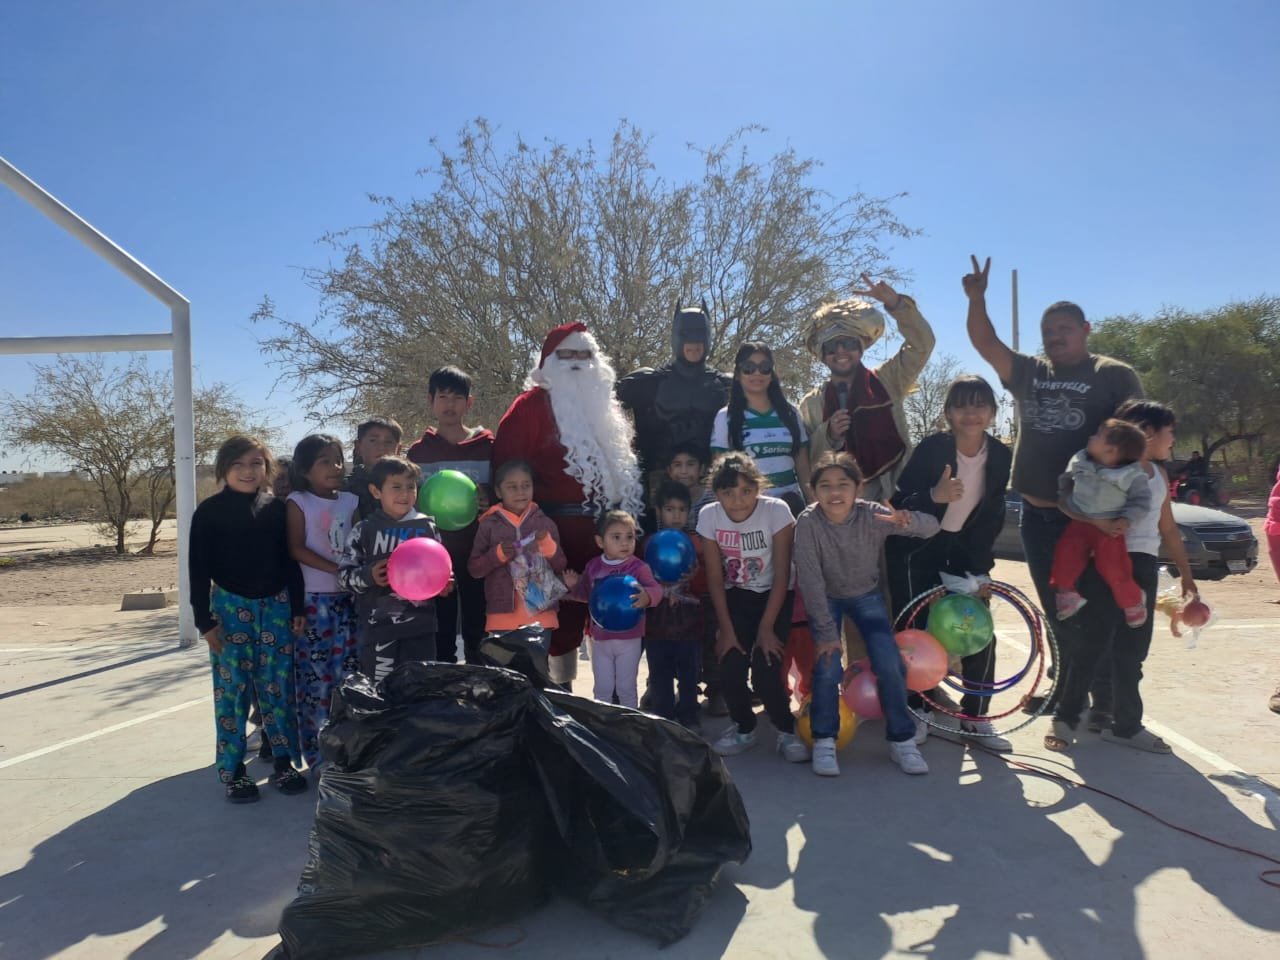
393 630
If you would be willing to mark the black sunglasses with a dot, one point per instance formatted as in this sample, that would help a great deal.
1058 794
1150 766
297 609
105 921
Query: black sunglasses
842 343
750 366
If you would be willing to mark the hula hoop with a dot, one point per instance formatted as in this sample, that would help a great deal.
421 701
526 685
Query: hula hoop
1043 647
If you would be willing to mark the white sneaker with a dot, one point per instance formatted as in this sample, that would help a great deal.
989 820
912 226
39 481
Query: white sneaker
732 743
792 748
824 758
922 731
907 755
982 732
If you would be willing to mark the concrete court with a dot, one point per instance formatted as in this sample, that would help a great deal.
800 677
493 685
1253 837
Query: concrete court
116 841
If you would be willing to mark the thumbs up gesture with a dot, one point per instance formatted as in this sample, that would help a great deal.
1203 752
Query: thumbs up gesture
948 488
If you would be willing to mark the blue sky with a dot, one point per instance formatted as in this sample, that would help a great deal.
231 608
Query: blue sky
1123 155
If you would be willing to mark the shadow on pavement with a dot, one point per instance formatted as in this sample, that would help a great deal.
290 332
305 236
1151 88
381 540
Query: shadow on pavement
986 856
171 851
976 858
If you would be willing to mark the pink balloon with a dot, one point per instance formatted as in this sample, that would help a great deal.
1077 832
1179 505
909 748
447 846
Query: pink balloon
419 568
860 691
925 657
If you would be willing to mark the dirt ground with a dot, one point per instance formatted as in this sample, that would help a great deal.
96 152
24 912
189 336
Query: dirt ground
87 576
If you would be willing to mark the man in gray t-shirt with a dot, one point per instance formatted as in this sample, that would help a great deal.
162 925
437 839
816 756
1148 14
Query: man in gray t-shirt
1060 399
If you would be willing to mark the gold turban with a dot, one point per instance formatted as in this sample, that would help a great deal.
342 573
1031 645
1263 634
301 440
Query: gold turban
844 318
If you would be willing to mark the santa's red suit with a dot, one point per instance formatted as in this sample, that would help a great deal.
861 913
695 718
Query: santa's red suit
528 431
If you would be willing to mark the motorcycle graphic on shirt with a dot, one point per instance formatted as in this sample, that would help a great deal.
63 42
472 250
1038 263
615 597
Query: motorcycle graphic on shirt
1049 414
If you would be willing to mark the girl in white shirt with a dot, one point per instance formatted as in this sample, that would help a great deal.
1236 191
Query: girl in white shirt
747 553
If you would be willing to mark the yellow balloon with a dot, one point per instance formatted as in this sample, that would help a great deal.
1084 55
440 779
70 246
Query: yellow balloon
848 724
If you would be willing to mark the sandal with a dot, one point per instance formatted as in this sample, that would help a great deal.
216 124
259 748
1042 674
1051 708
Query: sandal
1144 739
1060 740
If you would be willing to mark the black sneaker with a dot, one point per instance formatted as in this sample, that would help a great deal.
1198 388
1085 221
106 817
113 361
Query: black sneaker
242 790
289 781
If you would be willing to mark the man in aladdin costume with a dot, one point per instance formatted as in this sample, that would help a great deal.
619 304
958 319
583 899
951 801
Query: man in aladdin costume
859 411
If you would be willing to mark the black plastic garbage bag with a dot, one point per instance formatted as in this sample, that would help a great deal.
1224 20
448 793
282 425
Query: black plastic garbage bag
647 811
459 796
523 650
428 821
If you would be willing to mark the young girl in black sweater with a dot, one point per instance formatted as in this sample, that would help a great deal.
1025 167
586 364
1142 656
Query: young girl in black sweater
248 599
959 475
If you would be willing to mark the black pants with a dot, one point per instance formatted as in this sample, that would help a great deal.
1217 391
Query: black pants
381 652
1041 527
467 600
1128 647
914 567
672 664
710 662
746 611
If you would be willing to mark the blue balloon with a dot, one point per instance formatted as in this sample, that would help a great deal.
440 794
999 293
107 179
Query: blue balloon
611 603
669 554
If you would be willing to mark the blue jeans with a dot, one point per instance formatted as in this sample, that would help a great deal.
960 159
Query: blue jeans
672 663
868 612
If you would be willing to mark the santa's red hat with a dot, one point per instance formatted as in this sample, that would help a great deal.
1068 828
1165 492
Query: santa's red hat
567 336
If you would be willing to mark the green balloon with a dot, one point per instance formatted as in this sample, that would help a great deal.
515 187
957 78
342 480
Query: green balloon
450 498
962 624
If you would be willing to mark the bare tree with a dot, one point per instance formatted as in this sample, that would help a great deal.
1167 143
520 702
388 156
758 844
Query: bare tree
507 245
923 407
114 424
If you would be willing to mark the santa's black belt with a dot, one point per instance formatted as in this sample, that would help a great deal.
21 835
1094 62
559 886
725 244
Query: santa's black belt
567 510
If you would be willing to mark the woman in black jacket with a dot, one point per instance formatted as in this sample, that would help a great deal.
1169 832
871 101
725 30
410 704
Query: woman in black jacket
960 476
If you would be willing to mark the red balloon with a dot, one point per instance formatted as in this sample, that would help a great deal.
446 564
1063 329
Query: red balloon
798 653
860 691
1195 614
419 568
925 657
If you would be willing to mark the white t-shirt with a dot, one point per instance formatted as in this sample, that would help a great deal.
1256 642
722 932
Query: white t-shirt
1144 536
328 525
972 472
746 548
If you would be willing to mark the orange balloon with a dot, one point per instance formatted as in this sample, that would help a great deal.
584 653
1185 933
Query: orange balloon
925 657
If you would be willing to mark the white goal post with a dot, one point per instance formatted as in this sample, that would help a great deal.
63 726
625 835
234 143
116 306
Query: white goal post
177 341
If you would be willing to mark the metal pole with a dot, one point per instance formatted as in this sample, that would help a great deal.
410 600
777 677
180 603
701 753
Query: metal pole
1015 310
86 233
100 343
184 476
180 313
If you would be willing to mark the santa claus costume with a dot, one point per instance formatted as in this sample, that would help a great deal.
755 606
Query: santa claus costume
572 431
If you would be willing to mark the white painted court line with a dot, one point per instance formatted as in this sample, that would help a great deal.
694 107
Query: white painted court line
54 748
54 650
1268 796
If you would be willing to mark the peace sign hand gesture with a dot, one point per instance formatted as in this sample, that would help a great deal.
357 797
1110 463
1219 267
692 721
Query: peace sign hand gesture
975 284
948 489
880 291
899 518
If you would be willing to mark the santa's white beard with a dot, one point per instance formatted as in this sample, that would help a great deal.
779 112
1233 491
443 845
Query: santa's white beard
594 431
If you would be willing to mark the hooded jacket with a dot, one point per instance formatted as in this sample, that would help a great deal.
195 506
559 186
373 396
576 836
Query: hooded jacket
494 546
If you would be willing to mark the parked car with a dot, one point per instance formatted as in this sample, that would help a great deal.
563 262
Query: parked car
1217 543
